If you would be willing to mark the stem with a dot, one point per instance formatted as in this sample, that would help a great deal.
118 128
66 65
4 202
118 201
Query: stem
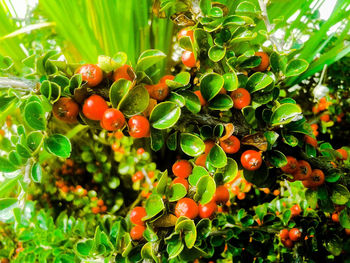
18 84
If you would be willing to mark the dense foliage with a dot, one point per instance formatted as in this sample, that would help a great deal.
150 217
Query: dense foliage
216 160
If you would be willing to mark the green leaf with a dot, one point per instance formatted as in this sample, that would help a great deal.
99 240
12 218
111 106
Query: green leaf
197 173
344 218
230 81
191 144
84 247
188 230
203 228
311 198
165 115
154 205
245 7
157 139
58 145
15 158
285 114
180 80
334 245
260 177
36 172
6 207
277 158
296 67
205 189
230 170
217 157
176 192
258 81
177 98
34 140
108 64
118 91
271 137
249 115
191 101
23 151
216 53
135 101
34 115
172 141
6 166
221 102
186 43
148 58
148 252
162 183
174 245
210 85
6 102
340 194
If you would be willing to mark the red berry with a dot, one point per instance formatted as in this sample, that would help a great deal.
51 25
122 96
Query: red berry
296 210
251 160
182 168
343 153
335 217
292 165
94 107
137 214
231 145
288 243
137 176
241 98
91 73
221 194
188 59
66 109
303 172
112 120
207 210
186 32
309 140
284 234
316 179
186 207
140 151
294 234
179 180
166 77
136 232
139 127
202 101
265 61
122 73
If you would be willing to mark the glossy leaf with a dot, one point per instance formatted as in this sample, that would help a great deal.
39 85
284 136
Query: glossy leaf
6 166
296 67
230 81
205 189
118 91
285 114
165 115
154 205
258 81
148 58
221 102
34 140
58 145
176 192
216 53
34 115
135 101
197 173
188 230
211 85
217 157
191 144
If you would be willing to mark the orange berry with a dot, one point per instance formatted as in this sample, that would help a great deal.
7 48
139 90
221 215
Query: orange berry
201 159
241 196
103 208
182 168
202 101
343 153
335 217
140 151
95 210
100 202
276 192
325 118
